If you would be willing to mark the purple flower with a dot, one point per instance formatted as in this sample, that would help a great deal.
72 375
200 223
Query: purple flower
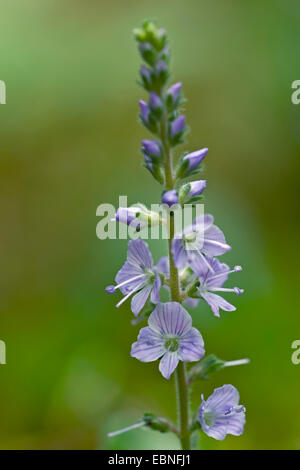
127 215
170 197
161 68
174 92
145 111
177 126
151 147
185 276
137 276
212 275
155 102
195 158
145 74
199 239
192 189
197 188
221 413
169 336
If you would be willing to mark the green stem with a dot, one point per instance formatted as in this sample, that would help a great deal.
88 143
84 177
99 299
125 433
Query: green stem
182 391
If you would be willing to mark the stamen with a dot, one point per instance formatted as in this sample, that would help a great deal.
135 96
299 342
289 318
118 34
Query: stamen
128 281
238 362
128 428
222 245
205 260
236 290
235 409
129 294
226 272
110 289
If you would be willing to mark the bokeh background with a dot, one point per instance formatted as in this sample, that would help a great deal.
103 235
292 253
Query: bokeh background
70 141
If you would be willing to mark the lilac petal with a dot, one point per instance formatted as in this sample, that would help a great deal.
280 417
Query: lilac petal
195 158
170 318
228 425
191 302
214 242
163 265
139 255
216 301
177 125
170 197
151 147
197 188
127 215
148 347
145 111
138 300
127 272
154 100
155 290
200 267
174 91
218 268
223 398
219 404
201 223
179 254
168 364
191 346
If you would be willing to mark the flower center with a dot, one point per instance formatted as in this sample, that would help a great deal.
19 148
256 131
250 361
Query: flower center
190 237
172 344
150 274
209 416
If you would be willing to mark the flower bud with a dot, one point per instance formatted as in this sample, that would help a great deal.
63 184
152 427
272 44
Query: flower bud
145 111
161 72
146 77
190 163
197 188
165 54
205 367
154 168
192 190
151 148
176 130
128 216
157 37
177 126
170 197
147 52
156 423
173 95
195 158
139 34
155 104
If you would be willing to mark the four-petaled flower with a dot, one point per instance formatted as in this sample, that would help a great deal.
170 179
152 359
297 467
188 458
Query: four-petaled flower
137 276
221 413
169 336
199 239
212 274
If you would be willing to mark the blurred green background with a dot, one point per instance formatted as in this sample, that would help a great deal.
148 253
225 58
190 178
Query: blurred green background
70 141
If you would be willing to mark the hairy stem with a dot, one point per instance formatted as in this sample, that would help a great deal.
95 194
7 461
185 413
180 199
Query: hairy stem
182 391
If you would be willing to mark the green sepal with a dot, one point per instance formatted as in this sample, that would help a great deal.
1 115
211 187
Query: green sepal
207 366
183 192
156 423
194 200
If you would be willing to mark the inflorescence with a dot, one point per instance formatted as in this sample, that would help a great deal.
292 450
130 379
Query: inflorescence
192 272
